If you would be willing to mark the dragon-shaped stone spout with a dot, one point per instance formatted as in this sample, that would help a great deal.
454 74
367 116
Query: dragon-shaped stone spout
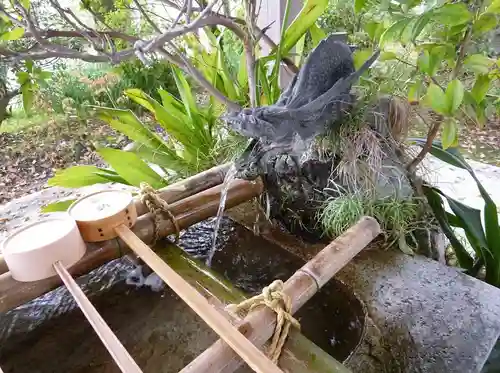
315 100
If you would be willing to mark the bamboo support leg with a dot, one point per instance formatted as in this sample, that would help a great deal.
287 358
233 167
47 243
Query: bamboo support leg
258 326
223 327
117 351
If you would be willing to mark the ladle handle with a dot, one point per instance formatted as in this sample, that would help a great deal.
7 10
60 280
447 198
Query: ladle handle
119 354
223 327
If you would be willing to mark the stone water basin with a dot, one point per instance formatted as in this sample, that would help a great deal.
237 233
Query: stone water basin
50 334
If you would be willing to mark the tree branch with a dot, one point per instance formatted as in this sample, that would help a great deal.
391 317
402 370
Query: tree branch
146 17
431 135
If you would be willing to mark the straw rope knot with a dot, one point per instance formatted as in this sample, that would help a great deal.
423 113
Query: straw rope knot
159 208
273 297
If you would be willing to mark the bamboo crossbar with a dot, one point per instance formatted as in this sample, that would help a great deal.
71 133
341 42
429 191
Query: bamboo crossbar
175 192
259 325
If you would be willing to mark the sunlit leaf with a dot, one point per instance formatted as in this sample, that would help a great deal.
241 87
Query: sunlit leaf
436 99
481 87
131 168
485 23
450 133
394 31
307 16
454 95
79 176
374 29
28 96
494 7
386 56
359 5
452 14
415 91
57 206
361 56
420 24
317 34
478 63
14 34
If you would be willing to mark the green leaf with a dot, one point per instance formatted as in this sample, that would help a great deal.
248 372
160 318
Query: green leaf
23 77
454 95
25 4
386 56
451 156
494 7
307 16
485 23
374 29
14 34
420 24
317 34
481 87
450 133
243 72
415 91
27 92
57 206
436 99
131 168
395 31
359 5
361 56
478 63
435 202
452 14
79 176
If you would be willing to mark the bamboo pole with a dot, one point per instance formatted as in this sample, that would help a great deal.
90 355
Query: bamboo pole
300 355
187 211
259 325
175 192
259 362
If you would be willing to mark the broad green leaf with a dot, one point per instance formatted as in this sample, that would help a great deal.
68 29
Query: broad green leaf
450 133
394 31
435 202
481 87
307 16
27 92
243 72
478 63
78 176
14 34
138 96
299 50
361 56
452 14
494 7
229 88
423 61
359 5
57 206
131 168
414 91
451 156
317 34
386 56
436 99
485 23
420 24
25 4
23 77
454 95
374 29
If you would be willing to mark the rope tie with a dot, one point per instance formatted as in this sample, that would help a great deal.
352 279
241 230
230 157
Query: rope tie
159 208
273 297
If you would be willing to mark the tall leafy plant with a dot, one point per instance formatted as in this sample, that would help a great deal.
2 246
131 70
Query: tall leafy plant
188 147
484 239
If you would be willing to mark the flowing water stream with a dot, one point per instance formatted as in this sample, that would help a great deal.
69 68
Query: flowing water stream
228 179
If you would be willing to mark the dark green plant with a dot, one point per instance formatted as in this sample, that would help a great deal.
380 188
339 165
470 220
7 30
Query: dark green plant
484 239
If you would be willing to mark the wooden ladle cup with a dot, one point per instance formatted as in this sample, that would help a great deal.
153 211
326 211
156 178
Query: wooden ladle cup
107 214
45 249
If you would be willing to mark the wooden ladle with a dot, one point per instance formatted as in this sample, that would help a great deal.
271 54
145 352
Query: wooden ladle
45 249
107 214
